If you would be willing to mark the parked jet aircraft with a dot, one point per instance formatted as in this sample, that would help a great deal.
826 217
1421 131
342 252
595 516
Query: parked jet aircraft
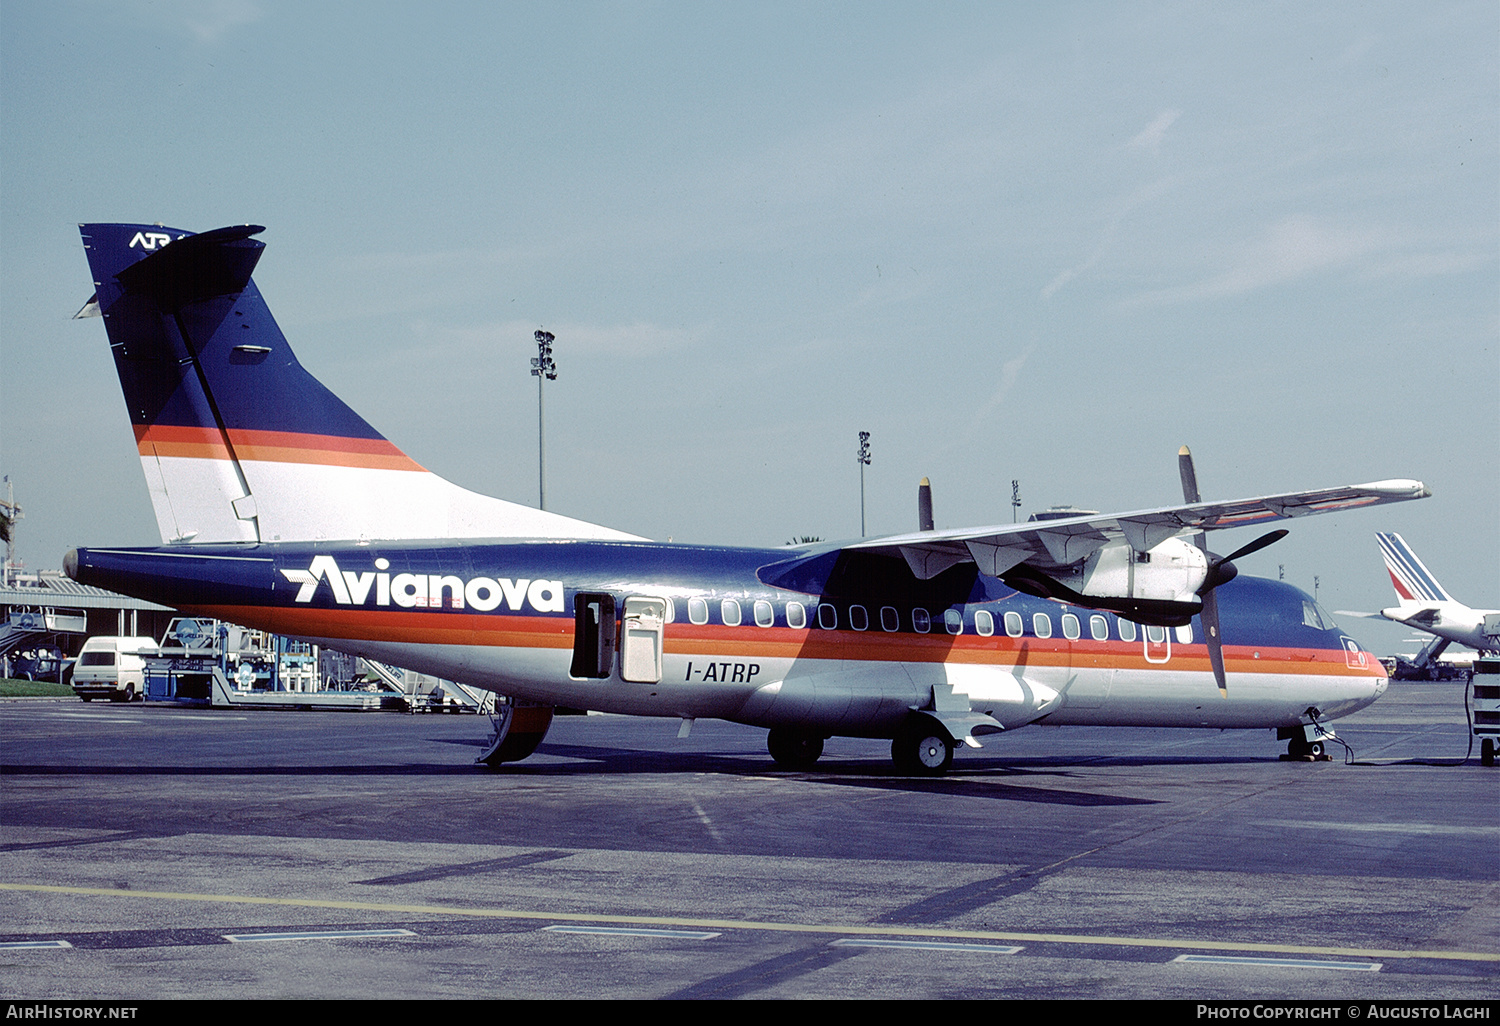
1424 604
281 508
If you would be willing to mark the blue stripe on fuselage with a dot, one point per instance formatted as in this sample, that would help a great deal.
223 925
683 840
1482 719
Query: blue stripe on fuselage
1253 611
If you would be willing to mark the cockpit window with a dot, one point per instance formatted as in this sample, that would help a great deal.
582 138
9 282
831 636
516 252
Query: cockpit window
1312 616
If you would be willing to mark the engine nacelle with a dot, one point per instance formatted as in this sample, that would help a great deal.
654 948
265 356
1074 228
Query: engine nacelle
1173 571
1159 586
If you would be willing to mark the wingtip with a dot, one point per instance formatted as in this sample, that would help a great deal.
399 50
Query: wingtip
1399 487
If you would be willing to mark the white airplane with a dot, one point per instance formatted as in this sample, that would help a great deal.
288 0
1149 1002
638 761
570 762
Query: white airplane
1424 604
281 508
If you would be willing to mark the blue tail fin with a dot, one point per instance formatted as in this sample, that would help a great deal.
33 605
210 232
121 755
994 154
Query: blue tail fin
238 441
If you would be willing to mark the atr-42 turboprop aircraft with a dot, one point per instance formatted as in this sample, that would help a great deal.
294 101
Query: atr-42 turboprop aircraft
281 508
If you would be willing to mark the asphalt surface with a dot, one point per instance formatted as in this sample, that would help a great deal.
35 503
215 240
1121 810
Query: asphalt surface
157 852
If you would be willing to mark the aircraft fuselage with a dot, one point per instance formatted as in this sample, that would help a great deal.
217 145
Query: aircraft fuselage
853 655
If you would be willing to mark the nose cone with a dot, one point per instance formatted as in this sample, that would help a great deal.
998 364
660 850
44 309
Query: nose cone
70 564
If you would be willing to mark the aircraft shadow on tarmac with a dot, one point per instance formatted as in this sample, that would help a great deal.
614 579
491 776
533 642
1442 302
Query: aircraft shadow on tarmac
976 779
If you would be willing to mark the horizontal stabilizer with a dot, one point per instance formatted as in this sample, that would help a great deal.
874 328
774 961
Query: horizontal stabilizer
197 267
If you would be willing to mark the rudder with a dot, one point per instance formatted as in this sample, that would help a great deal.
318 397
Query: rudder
1413 582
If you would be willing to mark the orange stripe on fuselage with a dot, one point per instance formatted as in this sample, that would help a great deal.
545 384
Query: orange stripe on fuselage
455 627
271 447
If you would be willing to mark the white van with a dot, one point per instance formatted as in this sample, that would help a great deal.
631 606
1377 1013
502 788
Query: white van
112 668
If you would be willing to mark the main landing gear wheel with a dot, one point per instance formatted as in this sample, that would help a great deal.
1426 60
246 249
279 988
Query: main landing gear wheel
794 750
1487 752
924 752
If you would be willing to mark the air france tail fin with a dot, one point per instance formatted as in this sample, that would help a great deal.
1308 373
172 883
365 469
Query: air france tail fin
237 440
1414 583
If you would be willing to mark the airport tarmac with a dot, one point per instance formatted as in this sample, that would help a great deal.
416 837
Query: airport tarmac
153 852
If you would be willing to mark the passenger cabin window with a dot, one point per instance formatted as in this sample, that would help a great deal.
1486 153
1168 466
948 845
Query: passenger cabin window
828 617
1041 624
1185 634
729 610
1156 635
858 618
1014 626
1071 629
796 615
765 616
921 621
890 620
1098 628
1127 628
697 611
953 621
984 622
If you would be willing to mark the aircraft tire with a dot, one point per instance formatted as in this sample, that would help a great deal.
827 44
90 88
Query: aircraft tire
922 752
1487 752
794 750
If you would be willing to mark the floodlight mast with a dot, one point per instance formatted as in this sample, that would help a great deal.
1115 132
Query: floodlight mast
542 366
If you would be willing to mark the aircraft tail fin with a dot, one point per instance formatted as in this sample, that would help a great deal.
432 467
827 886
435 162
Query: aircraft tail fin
1414 583
237 440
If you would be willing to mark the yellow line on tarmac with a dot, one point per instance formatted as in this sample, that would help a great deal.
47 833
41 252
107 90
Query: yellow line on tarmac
846 929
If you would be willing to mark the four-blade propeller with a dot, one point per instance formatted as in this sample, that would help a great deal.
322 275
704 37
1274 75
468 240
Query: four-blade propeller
1221 570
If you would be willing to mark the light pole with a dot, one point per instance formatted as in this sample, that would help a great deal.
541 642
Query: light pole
864 461
1015 499
542 366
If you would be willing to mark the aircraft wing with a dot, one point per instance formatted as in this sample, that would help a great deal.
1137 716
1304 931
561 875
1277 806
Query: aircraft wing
1063 541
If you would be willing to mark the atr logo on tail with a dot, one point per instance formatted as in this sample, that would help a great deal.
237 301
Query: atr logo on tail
424 591
151 241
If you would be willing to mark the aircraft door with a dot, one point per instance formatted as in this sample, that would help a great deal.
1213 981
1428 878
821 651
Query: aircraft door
593 635
642 631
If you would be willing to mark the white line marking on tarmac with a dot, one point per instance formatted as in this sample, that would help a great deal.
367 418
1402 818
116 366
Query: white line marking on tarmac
1280 963
875 942
33 945
708 824
630 931
246 938
1387 828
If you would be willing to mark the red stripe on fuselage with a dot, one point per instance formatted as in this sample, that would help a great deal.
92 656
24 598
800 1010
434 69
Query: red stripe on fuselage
271 447
452 627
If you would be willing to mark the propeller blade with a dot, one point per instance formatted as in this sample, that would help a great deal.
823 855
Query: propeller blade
1189 475
1209 617
1269 538
1221 569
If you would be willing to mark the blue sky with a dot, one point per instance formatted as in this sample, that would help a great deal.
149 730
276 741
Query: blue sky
1044 242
